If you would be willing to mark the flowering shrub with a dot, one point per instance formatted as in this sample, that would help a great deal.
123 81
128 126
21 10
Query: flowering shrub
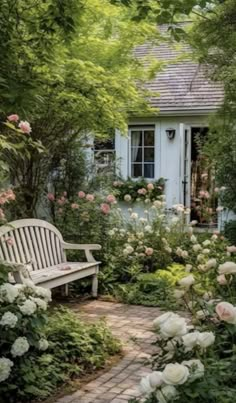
39 351
196 360
131 191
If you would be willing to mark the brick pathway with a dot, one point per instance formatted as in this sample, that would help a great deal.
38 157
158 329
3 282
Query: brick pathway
133 326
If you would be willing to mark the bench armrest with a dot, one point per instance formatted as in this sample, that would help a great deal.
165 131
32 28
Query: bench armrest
86 247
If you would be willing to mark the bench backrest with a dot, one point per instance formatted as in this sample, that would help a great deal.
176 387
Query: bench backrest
31 241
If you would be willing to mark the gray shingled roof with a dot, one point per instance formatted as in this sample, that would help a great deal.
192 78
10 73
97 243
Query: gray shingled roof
182 85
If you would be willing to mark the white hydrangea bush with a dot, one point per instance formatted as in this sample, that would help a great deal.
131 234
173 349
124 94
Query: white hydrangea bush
22 319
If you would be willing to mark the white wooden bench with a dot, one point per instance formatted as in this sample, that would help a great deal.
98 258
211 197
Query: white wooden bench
39 249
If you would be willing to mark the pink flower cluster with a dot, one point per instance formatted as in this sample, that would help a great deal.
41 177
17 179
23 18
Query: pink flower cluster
105 208
111 199
6 196
23 125
204 194
142 191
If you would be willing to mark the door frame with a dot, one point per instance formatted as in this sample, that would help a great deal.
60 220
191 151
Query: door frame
185 171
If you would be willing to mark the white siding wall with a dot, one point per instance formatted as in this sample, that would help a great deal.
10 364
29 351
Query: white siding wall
168 152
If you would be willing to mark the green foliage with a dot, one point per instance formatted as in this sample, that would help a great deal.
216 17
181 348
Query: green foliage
152 289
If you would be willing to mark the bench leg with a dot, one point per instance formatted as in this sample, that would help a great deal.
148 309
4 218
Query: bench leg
66 290
95 286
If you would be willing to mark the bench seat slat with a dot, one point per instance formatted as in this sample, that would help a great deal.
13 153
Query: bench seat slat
43 275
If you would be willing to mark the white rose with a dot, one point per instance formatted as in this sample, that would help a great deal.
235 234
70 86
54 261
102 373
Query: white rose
175 326
193 239
111 232
9 292
211 263
128 250
43 344
207 242
214 237
197 247
20 347
5 368
134 216
194 222
157 203
175 374
206 339
206 251
178 294
150 382
148 228
160 320
166 394
184 254
127 198
187 281
227 268
196 369
190 340
179 252
28 308
9 319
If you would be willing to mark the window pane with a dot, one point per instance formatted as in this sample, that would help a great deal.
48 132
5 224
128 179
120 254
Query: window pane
136 170
136 138
136 154
148 154
149 138
149 170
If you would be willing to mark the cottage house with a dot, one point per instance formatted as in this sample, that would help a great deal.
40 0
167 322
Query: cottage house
167 143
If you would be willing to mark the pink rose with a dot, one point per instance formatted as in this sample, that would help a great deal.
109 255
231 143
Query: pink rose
65 193
51 196
10 195
105 208
111 199
74 206
10 241
13 118
81 195
222 279
25 127
150 186
142 191
149 251
204 194
226 312
231 249
61 201
90 197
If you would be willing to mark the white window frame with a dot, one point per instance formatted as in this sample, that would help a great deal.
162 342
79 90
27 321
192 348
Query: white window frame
142 128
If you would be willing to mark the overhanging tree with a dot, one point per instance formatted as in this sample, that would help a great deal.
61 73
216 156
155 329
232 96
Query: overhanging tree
68 68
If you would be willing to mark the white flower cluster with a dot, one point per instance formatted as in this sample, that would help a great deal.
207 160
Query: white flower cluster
20 347
5 368
9 320
171 326
164 383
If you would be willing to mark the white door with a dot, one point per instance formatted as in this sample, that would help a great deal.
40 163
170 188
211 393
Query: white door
185 165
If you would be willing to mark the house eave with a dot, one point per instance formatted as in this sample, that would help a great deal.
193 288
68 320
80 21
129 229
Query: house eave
172 112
